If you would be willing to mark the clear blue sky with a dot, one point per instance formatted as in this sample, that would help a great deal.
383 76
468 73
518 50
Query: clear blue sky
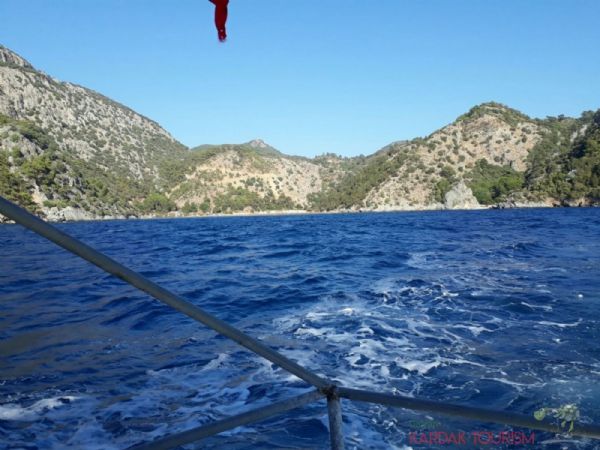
313 76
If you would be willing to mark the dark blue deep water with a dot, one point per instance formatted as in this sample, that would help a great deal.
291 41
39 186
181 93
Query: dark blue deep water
488 308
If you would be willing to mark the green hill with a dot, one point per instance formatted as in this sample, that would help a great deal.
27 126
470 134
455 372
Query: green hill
69 153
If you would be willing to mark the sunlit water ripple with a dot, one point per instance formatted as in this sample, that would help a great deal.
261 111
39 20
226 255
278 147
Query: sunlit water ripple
488 308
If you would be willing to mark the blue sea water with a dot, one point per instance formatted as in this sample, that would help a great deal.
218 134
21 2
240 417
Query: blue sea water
498 309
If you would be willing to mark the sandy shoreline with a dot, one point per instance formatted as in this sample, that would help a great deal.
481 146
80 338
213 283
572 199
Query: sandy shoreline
84 217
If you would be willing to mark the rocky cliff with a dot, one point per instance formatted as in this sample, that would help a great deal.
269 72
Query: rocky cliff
70 153
60 135
497 152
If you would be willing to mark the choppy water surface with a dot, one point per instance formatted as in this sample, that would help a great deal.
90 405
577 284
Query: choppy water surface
487 308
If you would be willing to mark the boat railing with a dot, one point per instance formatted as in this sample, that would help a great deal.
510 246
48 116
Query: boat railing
324 388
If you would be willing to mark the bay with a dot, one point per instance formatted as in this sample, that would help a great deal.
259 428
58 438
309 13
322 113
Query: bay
497 309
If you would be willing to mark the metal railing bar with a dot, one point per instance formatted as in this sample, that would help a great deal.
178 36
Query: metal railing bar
467 412
334 410
21 216
255 415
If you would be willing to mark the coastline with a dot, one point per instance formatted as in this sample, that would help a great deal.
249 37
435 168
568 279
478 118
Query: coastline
74 215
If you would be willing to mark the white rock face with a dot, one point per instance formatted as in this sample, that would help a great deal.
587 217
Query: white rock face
8 57
283 176
460 197
84 124
68 214
258 143
492 132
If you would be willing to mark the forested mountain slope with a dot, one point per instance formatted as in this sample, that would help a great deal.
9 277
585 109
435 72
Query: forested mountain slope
67 152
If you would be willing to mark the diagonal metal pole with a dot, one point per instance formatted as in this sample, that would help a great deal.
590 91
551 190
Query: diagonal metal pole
256 415
109 265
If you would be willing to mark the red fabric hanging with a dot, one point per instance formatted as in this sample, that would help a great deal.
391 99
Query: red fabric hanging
221 17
